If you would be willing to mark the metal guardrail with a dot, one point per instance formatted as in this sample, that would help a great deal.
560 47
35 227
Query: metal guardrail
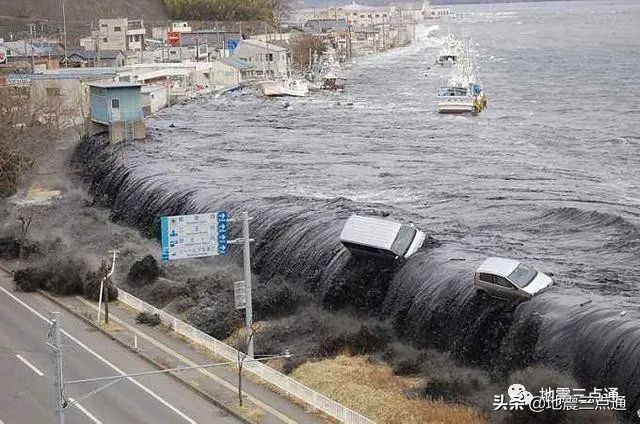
283 382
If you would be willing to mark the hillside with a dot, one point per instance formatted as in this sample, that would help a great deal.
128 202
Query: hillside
16 15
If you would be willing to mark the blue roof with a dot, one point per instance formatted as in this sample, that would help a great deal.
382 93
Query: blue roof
236 63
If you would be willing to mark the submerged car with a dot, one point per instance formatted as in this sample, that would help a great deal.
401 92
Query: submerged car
365 236
509 279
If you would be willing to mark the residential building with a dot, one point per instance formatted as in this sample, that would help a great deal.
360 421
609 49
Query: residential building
189 52
23 55
120 34
61 94
154 98
136 33
161 33
269 60
118 108
100 58
229 72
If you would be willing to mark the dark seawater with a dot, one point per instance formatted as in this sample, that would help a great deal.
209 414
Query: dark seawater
549 173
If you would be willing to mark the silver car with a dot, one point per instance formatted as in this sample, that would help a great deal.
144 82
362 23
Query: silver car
509 279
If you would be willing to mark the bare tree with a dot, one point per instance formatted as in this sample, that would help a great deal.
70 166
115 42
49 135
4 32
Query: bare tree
25 223
303 49
279 9
28 129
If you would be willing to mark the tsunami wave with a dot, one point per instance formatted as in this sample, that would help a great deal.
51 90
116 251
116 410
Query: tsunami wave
429 298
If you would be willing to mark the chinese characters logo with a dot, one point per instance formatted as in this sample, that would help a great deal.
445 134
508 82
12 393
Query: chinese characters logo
560 398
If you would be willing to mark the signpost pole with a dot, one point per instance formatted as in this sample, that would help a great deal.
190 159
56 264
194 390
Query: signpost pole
247 281
54 317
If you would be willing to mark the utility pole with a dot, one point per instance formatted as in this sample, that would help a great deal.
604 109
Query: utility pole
54 336
33 59
246 262
64 31
104 291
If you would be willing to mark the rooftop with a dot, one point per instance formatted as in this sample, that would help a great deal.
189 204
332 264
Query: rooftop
263 45
500 266
92 54
116 85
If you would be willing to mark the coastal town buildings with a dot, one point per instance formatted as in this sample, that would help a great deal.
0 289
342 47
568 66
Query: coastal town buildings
269 60
116 34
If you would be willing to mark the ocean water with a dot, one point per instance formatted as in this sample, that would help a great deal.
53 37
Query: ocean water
549 174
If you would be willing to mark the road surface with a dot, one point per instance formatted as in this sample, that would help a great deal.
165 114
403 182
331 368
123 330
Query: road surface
26 389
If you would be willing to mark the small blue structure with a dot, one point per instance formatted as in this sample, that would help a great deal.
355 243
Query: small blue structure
118 106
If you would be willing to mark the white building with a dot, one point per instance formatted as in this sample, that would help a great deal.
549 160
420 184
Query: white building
118 34
269 60
161 33
230 72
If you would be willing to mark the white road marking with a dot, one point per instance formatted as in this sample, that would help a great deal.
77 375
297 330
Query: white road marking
30 365
85 412
183 359
112 366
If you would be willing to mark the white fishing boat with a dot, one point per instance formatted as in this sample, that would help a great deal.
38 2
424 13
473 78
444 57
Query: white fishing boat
463 93
323 72
284 87
450 51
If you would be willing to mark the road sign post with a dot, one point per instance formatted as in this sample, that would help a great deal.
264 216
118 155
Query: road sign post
202 235
194 236
248 310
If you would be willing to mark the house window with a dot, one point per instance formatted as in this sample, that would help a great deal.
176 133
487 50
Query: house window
105 40
53 91
270 57
117 29
21 91
115 103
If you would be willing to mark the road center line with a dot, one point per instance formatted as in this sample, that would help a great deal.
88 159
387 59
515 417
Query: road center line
30 365
85 411
97 355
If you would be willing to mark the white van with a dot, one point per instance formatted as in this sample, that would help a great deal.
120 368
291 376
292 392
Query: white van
379 237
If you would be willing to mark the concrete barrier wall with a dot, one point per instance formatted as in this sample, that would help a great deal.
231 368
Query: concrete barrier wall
285 383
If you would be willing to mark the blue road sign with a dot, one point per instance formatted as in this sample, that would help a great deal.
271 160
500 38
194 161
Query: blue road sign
194 236
232 43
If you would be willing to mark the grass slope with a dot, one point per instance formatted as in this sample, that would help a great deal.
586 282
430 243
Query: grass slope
373 390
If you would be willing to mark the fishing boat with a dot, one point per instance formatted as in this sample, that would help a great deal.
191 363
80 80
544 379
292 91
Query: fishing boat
323 72
463 93
450 51
462 99
284 87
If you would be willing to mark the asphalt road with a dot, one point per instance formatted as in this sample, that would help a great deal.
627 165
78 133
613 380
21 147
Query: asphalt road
26 381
